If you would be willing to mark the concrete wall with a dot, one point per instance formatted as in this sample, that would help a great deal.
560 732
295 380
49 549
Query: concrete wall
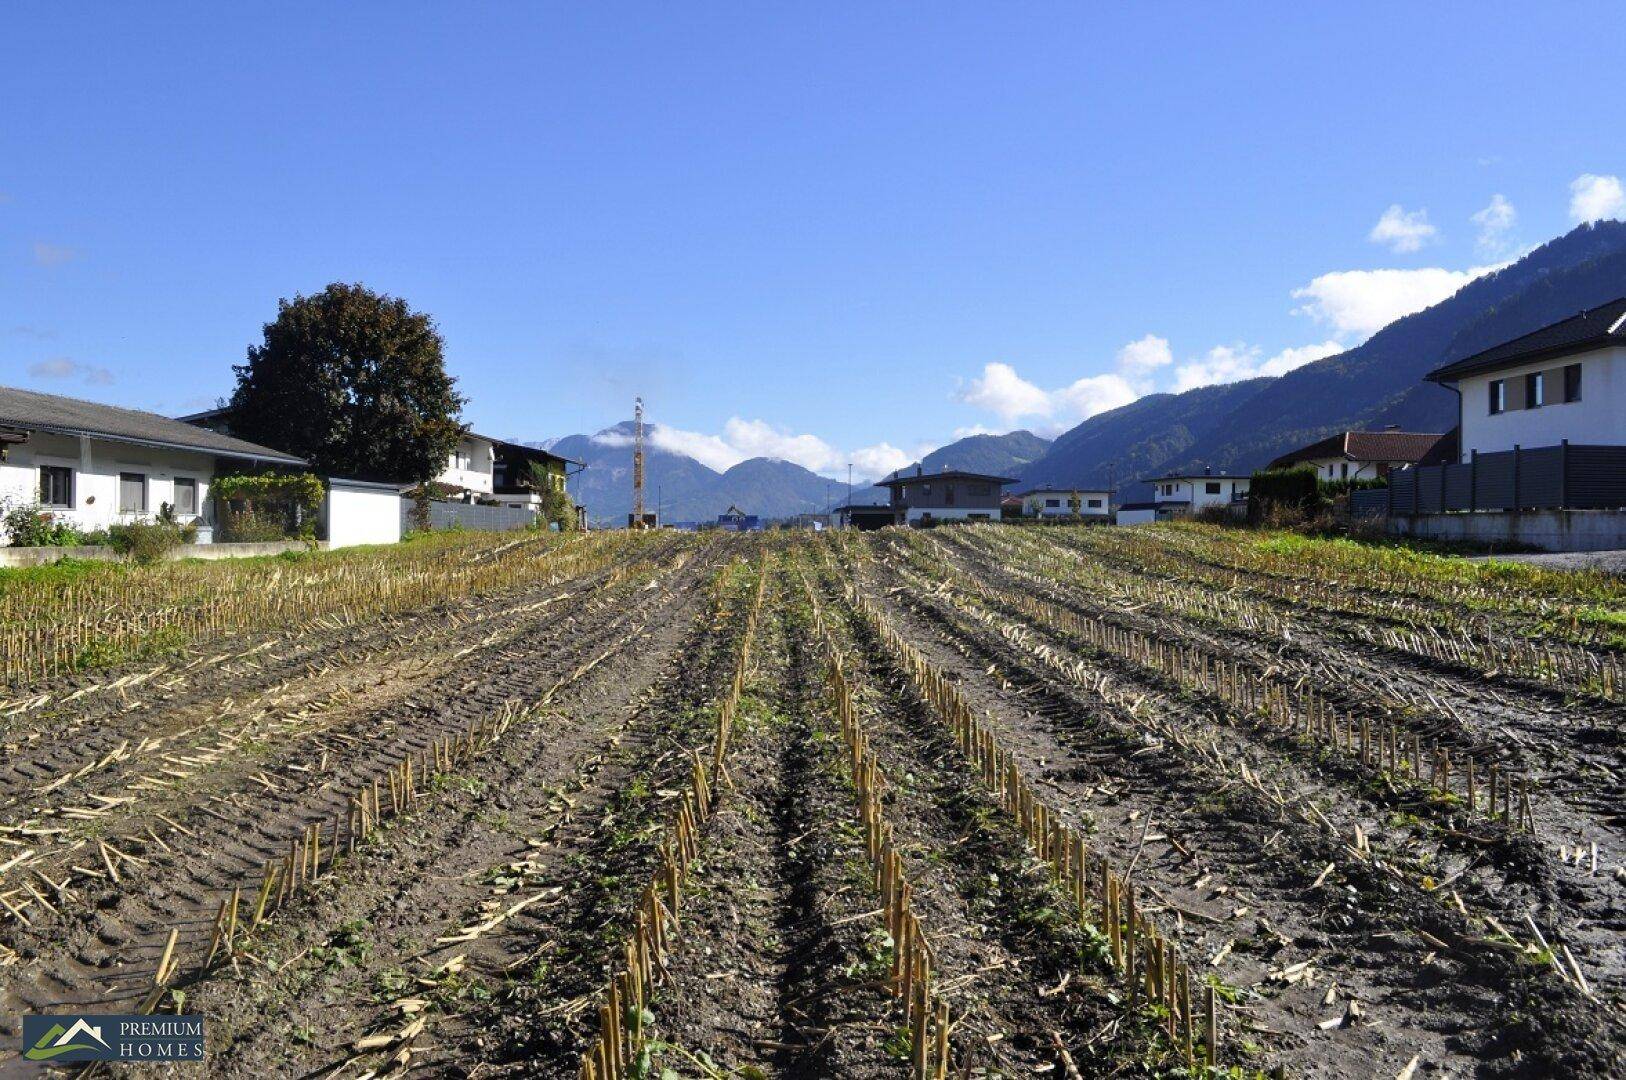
1034 504
1550 530
1598 419
361 514
17 557
919 515
96 465
1136 517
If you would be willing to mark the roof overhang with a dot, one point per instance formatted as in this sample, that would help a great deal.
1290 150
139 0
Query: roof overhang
270 456
1453 373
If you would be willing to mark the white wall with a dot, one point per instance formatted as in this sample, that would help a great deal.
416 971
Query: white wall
1195 491
1033 503
1137 517
479 457
361 514
96 464
1333 468
952 513
1598 419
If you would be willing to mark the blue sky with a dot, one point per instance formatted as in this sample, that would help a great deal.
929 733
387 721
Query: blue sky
826 232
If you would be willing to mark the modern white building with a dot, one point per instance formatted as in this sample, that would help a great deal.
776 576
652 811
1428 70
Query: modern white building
1058 502
471 465
1361 455
93 465
361 512
1180 494
1564 382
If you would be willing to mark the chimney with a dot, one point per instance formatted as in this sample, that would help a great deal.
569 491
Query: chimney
1208 470
920 470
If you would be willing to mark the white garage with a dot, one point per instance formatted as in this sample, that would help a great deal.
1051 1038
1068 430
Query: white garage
360 512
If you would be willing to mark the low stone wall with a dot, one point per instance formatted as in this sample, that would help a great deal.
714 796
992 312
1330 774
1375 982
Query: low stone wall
1550 530
43 556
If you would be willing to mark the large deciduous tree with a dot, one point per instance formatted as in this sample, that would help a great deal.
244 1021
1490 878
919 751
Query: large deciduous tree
354 382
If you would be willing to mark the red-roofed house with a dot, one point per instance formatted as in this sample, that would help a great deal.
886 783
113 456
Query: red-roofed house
1361 455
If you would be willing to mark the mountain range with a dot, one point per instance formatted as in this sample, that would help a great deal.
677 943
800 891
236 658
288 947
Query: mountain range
1241 426
1229 427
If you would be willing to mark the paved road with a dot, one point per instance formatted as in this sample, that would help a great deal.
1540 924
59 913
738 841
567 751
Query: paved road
1612 562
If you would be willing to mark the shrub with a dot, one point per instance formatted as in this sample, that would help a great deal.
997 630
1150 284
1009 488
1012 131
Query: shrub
148 541
31 525
269 506
1274 490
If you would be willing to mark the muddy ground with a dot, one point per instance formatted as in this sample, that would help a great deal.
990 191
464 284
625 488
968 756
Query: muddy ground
1352 930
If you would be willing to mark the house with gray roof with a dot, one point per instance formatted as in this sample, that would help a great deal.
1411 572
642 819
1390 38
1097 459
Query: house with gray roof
95 465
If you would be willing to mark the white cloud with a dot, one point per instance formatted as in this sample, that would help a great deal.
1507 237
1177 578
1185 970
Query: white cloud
870 462
1494 221
742 439
1233 363
1593 198
1148 354
1362 302
1402 230
1003 392
1091 395
61 367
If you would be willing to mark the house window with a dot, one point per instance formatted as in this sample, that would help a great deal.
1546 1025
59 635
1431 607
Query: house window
1095 504
132 493
1535 389
1498 396
1053 503
1344 470
56 485
1212 487
186 495
1572 382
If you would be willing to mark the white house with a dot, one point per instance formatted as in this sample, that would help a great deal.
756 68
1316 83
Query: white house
1181 494
1361 455
1564 382
472 465
1058 502
94 465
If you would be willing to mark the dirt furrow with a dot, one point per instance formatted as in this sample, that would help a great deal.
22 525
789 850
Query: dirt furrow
1248 883
775 968
394 924
80 953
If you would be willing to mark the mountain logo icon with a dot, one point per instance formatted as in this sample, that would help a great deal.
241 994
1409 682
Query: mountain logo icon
59 1040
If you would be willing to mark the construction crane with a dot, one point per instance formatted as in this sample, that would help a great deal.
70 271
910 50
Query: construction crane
637 521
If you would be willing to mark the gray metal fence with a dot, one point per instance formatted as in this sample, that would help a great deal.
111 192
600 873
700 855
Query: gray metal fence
448 515
1563 477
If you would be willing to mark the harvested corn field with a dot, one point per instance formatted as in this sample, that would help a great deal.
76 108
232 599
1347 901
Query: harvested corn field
976 801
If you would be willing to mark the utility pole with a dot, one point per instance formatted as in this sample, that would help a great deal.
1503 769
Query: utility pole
638 463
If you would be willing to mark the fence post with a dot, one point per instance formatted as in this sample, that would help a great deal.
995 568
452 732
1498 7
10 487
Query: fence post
1563 474
1516 456
1473 480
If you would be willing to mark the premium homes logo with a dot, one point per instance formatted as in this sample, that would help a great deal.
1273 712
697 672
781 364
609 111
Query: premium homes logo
65 1039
